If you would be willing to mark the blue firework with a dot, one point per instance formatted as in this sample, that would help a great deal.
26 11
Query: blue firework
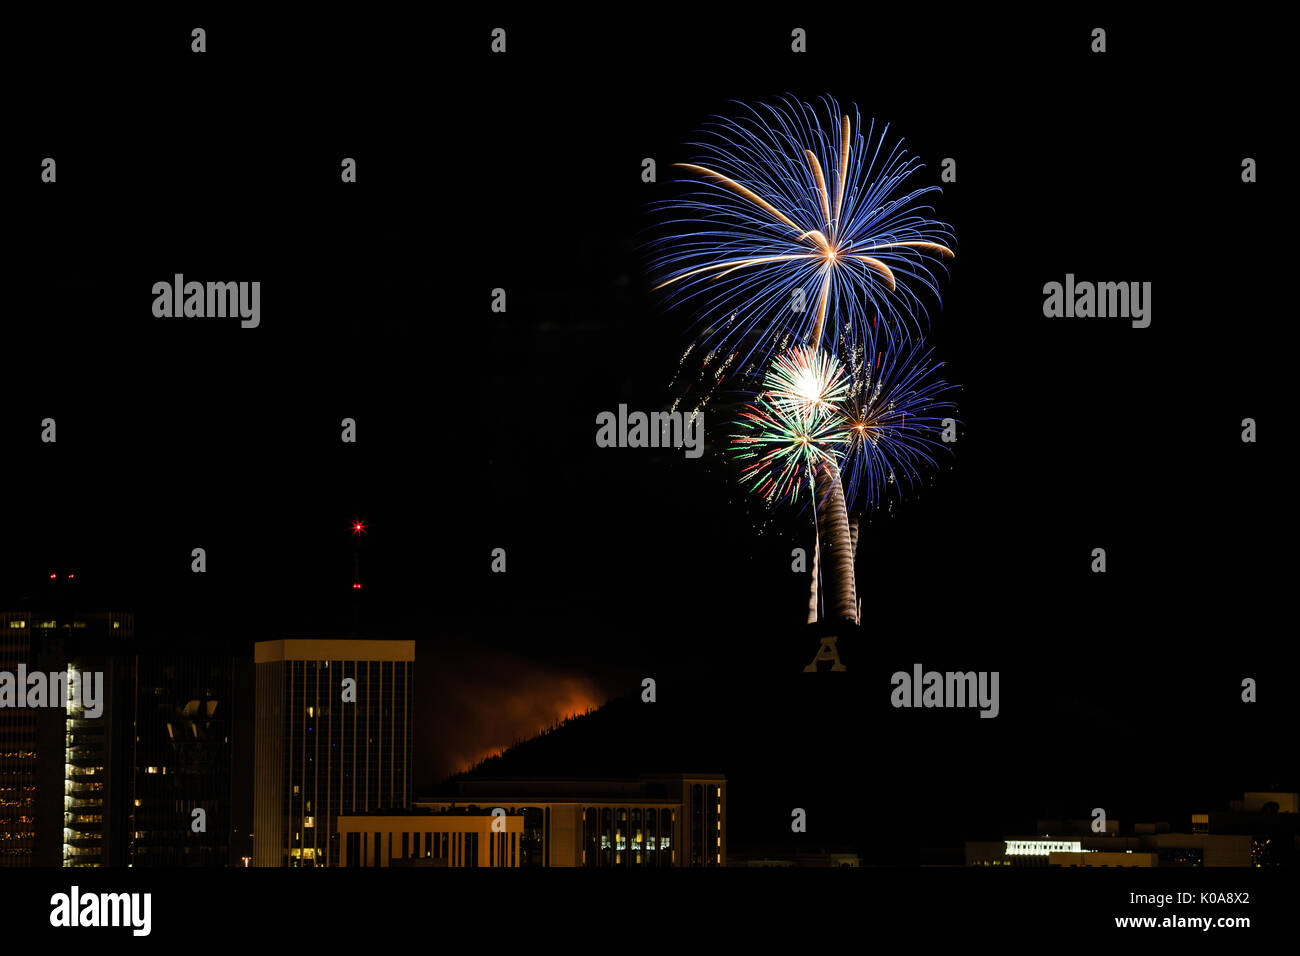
894 411
798 220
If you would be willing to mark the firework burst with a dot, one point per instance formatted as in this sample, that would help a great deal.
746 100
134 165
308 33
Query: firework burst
800 241
782 447
894 411
798 213
808 381
795 425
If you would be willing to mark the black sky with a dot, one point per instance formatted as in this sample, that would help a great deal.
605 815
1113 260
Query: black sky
476 429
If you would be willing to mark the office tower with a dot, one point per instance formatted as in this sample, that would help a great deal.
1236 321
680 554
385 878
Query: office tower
65 770
184 725
117 787
18 750
332 736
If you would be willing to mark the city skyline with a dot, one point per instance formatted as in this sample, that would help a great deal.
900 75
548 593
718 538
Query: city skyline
751 443
130 828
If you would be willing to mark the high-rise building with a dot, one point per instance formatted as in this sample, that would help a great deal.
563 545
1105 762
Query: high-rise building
18 751
65 770
115 784
332 736
181 780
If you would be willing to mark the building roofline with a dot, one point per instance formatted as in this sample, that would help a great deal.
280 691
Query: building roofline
328 649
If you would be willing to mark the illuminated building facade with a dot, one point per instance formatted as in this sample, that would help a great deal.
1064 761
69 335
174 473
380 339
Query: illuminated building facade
652 821
97 750
118 788
463 837
332 738
1072 843
18 750
64 775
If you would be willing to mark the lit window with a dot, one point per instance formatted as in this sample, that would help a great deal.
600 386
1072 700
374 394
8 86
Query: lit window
18 624
151 770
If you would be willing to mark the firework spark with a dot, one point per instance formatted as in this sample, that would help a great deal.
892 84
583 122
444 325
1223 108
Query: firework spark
799 220
807 380
797 243
794 425
894 410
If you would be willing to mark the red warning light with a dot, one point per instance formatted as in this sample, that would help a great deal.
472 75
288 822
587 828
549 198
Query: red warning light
53 575
356 586
71 576
358 527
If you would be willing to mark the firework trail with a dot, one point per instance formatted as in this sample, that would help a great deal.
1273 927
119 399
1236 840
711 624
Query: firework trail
797 242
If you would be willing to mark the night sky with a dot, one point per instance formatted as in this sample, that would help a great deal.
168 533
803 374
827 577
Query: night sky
476 430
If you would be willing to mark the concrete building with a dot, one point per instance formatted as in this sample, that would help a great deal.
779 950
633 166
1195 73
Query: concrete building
1103 858
1073 843
65 773
803 859
463 837
332 738
1266 802
651 821
117 785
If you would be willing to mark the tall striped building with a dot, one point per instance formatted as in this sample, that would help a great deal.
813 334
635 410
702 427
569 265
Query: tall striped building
332 737
65 776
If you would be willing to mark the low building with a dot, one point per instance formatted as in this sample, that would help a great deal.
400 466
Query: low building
802 859
1103 858
1167 849
649 821
461 836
